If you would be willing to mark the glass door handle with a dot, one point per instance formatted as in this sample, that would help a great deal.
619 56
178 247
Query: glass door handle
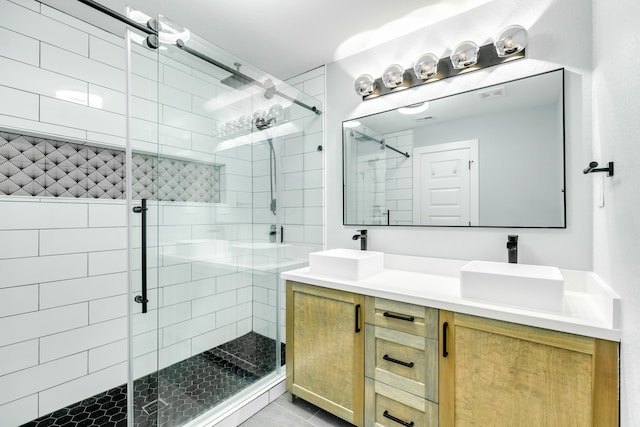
142 299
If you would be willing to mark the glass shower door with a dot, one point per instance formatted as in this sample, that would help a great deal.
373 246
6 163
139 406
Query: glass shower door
199 343
208 137
143 206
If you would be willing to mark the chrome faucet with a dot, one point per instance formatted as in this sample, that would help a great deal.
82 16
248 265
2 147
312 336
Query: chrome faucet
363 239
512 248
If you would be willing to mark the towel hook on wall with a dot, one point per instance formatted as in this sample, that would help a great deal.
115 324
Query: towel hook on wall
593 167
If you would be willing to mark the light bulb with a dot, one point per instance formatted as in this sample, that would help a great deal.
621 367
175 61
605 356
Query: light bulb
365 85
464 55
426 66
276 112
259 114
393 76
510 40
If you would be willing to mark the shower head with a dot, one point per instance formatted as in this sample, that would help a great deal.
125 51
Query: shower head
237 81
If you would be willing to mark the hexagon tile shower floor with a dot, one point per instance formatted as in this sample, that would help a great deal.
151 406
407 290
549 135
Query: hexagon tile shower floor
178 393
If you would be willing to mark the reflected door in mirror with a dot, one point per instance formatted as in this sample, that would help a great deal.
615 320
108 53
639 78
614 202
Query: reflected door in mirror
445 189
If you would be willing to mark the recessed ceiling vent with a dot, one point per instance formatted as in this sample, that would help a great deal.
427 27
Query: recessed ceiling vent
422 119
493 93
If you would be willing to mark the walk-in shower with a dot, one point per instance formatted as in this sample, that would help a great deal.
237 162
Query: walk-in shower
142 288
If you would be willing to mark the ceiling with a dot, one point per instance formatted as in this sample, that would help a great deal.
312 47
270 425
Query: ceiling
288 37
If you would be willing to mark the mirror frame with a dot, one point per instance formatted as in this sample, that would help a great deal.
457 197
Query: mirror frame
564 161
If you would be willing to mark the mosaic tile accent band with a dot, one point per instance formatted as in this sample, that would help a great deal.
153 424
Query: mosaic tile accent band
31 166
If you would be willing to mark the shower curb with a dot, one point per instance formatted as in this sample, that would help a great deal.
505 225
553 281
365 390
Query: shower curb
246 407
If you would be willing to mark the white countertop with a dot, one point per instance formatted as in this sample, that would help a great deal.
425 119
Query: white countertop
590 307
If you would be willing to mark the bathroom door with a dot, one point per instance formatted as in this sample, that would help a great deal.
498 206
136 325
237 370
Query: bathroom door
445 184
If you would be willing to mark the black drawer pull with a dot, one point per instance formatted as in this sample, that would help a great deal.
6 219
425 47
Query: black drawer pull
445 326
358 318
399 317
386 414
399 362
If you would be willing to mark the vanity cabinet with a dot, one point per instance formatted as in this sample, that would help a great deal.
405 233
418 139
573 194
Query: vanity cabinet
325 349
401 364
377 362
500 373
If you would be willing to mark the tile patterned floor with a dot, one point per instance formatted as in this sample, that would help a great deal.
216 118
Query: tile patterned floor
284 413
108 409
185 389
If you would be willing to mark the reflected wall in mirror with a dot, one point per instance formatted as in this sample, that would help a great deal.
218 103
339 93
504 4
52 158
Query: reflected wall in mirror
491 157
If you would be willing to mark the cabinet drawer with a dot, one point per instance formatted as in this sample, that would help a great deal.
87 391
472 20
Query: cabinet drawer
405 361
402 316
390 407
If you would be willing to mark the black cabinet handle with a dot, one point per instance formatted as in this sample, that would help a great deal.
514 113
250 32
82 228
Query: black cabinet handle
386 414
142 209
399 362
399 317
445 326
357 318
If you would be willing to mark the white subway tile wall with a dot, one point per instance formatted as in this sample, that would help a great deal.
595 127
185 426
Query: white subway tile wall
370 175
301 202
386 179
55 72
398 182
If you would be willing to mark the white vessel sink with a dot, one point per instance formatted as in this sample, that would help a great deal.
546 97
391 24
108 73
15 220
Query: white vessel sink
349 264
533 286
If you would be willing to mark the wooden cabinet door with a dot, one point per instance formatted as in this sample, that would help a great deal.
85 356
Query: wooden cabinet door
502 374
325 349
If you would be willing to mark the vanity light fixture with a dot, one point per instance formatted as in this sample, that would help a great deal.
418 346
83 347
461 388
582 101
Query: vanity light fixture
365 85
509 45
393 76
414 109
464 55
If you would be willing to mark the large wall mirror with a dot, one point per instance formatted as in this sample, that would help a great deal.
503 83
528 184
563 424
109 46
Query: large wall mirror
491 157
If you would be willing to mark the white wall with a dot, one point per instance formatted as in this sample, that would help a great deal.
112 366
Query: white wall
550 48
616 109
